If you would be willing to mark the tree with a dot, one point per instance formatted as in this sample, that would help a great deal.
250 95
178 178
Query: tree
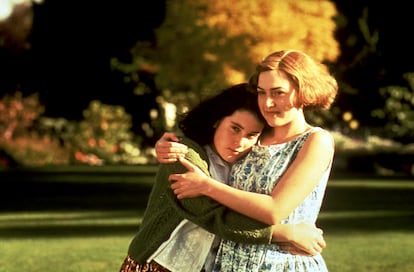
398 110
373 66
206 45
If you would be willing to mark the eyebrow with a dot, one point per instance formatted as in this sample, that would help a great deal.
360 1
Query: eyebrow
237 124
272 89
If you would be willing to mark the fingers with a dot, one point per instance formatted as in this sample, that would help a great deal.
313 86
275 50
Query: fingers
167 151
317 249
169 136
186 163
167 160
174 177
297 251
318 246
322 243
311 243
311 251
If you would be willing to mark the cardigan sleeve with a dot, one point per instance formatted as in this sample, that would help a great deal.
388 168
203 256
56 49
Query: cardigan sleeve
208 213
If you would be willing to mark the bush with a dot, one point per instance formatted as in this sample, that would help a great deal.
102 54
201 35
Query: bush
34 151
373 154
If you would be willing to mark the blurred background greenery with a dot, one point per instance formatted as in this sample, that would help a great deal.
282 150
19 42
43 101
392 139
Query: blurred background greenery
98 84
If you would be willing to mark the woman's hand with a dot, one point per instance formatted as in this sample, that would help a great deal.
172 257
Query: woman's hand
168 149
307 239
294 250
190 184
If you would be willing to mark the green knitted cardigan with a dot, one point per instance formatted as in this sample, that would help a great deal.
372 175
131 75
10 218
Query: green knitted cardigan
164 212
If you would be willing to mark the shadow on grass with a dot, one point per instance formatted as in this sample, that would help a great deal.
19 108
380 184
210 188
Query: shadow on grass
93 230
34 196
368 205
371 222
72 205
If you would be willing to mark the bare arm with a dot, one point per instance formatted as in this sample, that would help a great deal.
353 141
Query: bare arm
302 238
295 185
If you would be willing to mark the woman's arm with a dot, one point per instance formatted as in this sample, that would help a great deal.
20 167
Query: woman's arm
303 238
295 185
206 212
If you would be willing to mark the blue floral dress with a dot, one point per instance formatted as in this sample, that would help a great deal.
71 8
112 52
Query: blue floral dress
259 172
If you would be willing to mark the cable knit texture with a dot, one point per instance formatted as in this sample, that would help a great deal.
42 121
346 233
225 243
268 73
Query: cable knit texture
164 212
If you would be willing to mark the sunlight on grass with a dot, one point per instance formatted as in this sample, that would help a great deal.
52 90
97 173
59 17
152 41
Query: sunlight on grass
356 251
375 184
368 252
366 231
88 254
364 214
66 241
79 218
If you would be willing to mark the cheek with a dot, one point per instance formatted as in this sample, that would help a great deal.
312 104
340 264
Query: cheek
216 139
220 139
286 104
261 100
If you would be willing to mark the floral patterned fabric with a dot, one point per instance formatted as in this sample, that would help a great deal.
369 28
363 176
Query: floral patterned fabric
129 265
259 172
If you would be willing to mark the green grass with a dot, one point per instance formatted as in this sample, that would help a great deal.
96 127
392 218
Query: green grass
363 251
82 241
368 224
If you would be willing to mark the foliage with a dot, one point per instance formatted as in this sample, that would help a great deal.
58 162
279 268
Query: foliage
18 113
373 154
104 136
398 111
29 139
370 66
20 142
204 46
345 143
34 150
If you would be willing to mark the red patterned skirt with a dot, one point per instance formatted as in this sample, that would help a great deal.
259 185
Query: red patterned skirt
130 265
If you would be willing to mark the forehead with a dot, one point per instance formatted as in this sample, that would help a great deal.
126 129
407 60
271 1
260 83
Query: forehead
273 79
244 118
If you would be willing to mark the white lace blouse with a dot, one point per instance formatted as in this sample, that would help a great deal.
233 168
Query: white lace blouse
190 247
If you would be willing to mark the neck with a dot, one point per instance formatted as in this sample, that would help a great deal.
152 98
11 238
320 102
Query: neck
285 133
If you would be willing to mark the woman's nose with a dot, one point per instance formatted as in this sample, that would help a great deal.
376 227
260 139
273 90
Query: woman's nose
269 102
237 141
242 142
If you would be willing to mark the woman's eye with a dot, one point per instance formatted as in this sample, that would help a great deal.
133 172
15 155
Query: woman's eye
236 129
277 93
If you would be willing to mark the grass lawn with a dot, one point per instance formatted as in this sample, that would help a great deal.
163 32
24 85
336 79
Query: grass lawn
86 226
369 225
82 241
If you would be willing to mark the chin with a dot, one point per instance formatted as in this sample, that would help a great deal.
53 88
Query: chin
271 123
231 159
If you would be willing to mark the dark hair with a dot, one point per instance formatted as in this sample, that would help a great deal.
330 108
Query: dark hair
199 123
